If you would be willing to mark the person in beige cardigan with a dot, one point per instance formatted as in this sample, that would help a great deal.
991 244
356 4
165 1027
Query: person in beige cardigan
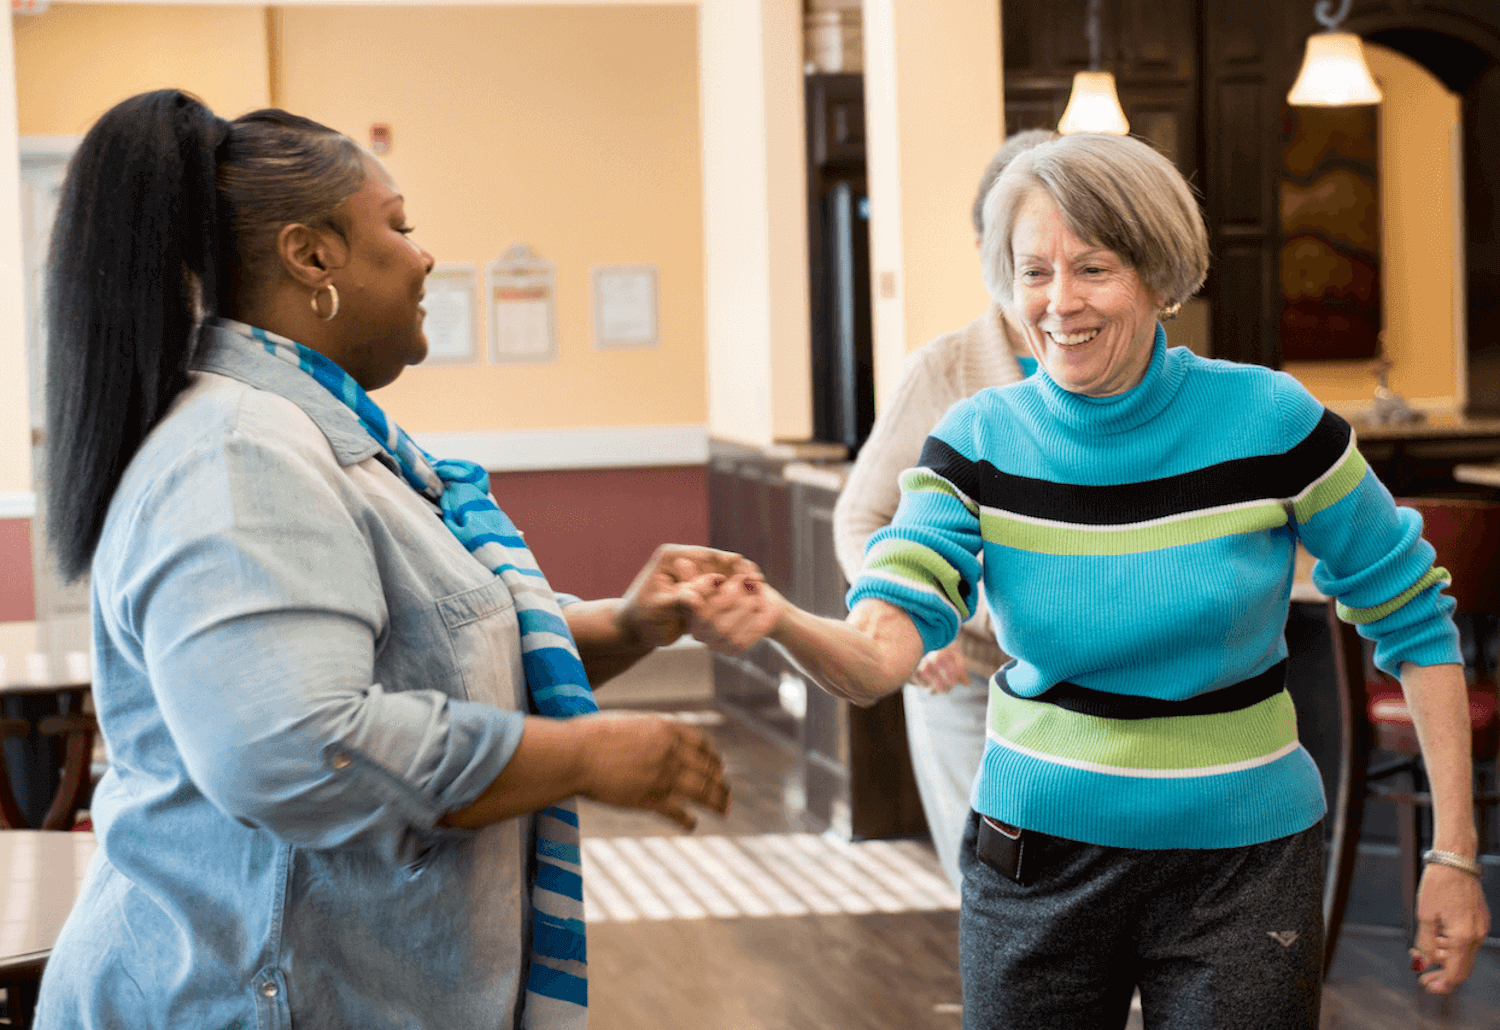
945 705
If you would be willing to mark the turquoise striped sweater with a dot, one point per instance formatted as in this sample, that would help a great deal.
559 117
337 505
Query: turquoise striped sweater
1138 554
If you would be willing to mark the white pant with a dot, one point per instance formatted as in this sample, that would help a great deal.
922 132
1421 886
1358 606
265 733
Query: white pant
945 734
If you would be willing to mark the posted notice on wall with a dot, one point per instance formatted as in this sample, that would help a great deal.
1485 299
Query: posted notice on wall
625 306
521 292
451 324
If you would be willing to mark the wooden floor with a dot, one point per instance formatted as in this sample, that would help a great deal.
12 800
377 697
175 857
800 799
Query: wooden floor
817 934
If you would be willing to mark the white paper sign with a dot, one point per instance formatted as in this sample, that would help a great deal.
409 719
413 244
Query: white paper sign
625 306
450 325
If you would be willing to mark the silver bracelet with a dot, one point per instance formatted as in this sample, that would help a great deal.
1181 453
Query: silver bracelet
1453 861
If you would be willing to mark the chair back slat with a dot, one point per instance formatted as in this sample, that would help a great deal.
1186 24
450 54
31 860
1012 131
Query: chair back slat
1466 536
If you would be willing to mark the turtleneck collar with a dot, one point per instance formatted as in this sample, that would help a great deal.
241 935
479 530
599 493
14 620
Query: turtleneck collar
1123 411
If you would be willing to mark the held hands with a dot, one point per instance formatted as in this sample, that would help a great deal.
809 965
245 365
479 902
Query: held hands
659 605
636 760
1452 921
731 614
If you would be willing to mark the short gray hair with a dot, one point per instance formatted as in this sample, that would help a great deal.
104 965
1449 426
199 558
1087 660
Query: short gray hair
1013 145
1111 191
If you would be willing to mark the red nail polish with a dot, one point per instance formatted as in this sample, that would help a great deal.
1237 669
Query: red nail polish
749 586
1417 965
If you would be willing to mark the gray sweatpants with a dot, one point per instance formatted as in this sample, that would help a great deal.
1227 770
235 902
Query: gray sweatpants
1220 939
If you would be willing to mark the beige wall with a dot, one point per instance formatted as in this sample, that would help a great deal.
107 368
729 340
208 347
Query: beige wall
933 120
77 60
72 64
573 129
1418 215
15 425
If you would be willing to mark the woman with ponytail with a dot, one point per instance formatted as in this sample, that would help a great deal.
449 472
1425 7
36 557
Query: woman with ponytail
345 713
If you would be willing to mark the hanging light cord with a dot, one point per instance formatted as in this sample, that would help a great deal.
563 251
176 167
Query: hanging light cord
1096 37
1329 17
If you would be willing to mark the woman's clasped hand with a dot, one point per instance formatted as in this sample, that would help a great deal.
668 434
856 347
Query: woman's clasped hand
637 760
731 613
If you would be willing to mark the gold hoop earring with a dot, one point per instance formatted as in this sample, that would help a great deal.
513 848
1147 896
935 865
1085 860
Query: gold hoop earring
333 294
1167 313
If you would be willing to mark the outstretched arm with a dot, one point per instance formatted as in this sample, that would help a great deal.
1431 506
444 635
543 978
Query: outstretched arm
863 658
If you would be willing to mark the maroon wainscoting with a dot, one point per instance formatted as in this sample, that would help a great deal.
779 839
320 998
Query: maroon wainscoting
17 588
592 529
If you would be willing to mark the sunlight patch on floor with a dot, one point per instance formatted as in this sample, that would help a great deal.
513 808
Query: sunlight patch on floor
771 874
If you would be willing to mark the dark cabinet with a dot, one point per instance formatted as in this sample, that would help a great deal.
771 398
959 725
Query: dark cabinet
1156 39
1194 78
853 772
750 513
1140 39
1150 45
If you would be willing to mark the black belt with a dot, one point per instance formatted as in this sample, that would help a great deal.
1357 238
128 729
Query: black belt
1105 705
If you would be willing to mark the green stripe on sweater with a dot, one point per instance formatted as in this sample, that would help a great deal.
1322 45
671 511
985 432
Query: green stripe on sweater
921 480
1333 489
1360 616
1181 745
920 566
1006 530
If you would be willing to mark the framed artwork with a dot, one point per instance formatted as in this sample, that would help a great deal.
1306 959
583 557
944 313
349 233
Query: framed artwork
1329 206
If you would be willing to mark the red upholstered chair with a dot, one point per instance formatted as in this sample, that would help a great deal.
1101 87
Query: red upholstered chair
1466 536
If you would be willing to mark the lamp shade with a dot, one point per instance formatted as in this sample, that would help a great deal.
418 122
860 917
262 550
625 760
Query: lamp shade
1334 73
1094 106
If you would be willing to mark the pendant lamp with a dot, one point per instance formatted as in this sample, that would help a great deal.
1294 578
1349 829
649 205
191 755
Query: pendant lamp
1334 73
1094 106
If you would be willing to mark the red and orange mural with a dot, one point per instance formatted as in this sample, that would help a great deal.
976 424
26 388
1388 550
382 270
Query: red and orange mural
1330 232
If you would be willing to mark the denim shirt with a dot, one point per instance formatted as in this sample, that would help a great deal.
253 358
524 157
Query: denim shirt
298 671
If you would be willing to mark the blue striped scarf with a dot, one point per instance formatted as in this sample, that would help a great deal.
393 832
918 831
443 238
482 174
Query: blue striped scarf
557 985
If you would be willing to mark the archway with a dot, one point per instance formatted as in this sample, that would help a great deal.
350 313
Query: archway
1465 57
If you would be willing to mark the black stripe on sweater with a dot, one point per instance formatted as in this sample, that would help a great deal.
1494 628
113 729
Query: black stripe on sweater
1129 706
1227 482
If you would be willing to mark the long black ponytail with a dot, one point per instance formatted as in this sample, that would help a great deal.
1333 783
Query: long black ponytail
134 259
167 213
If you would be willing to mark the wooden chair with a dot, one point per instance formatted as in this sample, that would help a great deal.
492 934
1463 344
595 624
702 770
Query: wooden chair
11 816
21 980
77 729
1466 536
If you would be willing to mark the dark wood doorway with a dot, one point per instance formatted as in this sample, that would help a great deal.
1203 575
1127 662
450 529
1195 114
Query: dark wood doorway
1465 57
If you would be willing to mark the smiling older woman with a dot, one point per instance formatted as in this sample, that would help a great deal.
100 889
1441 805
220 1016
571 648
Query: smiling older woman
1144 816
